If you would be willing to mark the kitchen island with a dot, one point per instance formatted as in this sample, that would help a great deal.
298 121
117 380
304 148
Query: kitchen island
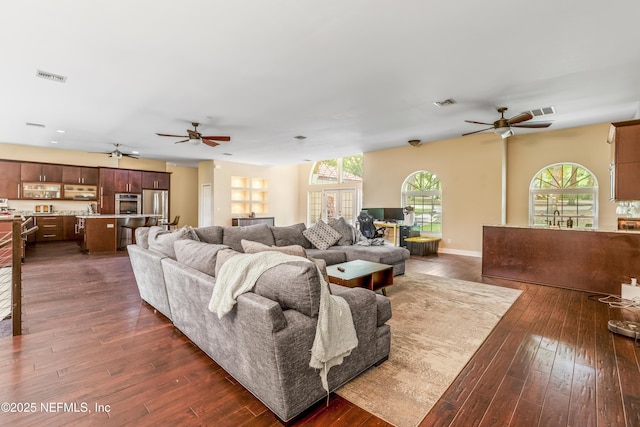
584 259
101 232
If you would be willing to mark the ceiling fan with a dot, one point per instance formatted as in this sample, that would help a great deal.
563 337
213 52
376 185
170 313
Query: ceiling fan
195 137
503 126
117 154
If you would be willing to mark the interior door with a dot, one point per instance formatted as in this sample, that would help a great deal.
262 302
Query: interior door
339 203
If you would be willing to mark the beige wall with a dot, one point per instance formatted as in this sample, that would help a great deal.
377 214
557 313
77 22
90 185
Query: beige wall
470 170
528 154
184 195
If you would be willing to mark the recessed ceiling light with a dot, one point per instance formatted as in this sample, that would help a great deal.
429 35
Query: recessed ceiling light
38 125
306 160
227 154
446 102
61 131
54 142
135 152
300 137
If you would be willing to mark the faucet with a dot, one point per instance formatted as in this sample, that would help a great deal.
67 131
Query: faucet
554 216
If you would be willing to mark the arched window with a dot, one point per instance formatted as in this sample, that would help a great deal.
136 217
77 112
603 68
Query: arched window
562 191
423 191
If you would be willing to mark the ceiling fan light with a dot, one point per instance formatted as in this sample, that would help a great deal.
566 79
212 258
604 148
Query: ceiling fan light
195 141
504 131
116 155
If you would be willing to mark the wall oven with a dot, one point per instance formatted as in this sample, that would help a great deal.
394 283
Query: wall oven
128 203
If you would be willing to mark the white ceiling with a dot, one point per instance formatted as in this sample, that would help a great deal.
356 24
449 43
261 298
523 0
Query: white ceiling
352 76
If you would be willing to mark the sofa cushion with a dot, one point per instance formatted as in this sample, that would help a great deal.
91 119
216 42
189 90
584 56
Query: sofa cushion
345 230
198 255
291 235
142 237
385 254
212 234
223 256
162 241
232 236
250 247
321 235
330 257
300 291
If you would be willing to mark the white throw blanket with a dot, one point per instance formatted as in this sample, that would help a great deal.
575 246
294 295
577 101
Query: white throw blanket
335 333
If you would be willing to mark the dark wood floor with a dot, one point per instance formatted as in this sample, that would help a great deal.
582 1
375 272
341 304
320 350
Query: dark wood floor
90 340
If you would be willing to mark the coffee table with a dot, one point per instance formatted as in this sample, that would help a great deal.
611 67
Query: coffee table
360 273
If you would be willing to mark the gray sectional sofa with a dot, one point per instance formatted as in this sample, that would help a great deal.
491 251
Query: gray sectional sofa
265 341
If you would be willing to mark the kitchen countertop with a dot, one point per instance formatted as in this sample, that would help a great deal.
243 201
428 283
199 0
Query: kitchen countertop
551 227
116 216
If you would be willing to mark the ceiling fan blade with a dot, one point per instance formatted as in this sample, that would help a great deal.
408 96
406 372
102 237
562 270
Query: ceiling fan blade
179 142
535 125
175 136
522 117
479 123
481 130
209 142
217 138
129 155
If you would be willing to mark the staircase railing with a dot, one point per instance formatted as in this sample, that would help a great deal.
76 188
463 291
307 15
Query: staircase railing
11 247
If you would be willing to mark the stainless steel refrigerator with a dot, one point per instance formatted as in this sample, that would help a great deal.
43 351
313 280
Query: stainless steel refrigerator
156 202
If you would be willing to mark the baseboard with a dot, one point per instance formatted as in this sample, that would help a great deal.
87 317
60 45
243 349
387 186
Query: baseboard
477 254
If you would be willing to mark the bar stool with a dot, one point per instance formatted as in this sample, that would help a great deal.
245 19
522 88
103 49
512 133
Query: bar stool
174 223
129 226
151 221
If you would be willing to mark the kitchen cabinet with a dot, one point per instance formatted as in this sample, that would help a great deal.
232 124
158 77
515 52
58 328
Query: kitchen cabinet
9 180
49 228
80 175
127 181
114 181
70 228
40 172
156 180
100 234
624 138
41 190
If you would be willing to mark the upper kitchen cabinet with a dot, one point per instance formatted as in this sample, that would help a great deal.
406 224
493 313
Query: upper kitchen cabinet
9 180
80 175
624 138
156 180
40 172
127 181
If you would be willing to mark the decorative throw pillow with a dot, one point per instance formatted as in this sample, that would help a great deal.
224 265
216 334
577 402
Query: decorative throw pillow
291 235
198 255
346 233
321 235
250 247
161 240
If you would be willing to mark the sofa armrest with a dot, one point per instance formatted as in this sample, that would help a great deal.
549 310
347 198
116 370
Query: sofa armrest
383 304
264 311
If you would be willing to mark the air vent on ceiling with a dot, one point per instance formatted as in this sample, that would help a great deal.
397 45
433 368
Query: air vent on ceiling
50 76
446 102
38 125
542 111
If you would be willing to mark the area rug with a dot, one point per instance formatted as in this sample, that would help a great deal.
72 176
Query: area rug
436 327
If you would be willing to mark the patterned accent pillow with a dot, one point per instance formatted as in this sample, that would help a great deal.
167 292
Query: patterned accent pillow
321 235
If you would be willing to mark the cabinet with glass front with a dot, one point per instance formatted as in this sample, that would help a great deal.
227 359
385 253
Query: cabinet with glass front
80 192
41 190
